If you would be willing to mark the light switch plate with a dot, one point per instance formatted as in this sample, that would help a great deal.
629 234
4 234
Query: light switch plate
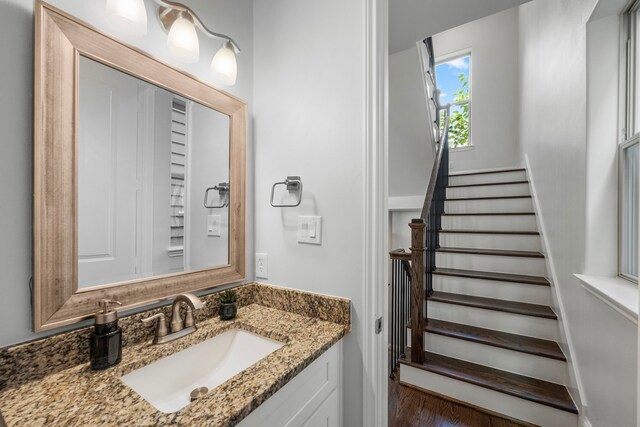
262 266
310 229
213 225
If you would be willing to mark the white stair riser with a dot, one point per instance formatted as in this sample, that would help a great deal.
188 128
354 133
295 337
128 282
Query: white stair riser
488 177
490 222
499 264
485 398
531 326
489 191
518 292
515 242
526 364
490 205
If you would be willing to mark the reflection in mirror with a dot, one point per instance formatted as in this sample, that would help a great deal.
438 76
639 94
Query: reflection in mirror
146 158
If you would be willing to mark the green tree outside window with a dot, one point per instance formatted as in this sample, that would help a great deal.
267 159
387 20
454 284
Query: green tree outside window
459 120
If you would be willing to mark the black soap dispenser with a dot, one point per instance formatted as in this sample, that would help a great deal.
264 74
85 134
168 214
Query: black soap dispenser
105 344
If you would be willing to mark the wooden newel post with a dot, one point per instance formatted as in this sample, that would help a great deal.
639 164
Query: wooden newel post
417 290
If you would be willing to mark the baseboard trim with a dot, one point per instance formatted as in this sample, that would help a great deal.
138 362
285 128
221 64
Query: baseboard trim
551 270
468 405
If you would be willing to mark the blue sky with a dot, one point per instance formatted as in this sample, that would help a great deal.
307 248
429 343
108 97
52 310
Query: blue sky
447 75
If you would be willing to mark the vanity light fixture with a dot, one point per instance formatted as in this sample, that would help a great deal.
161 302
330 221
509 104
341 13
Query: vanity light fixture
128 16
223 66
182 40
180 22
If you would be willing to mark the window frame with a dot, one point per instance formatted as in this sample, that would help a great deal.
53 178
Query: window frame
630 104
442 59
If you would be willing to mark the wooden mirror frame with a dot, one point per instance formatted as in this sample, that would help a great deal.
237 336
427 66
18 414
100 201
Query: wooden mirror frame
60 39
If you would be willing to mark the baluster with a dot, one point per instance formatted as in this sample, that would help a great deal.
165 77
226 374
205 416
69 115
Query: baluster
394 326
393 280
407 312
403 324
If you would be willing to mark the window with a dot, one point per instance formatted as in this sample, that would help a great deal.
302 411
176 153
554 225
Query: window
453 76
629 158
178 172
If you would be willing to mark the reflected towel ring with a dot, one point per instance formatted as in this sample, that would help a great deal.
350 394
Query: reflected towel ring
293 184
223 191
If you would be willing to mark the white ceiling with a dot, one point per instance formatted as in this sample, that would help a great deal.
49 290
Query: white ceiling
413 20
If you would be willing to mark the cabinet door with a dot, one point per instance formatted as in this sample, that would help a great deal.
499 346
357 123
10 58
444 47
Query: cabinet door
327 414
312 398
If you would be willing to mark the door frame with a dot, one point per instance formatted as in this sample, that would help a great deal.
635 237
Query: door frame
375 381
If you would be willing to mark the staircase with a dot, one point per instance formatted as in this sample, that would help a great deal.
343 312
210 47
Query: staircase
490 334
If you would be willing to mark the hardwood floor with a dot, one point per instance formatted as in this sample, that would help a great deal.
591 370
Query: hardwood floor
409 407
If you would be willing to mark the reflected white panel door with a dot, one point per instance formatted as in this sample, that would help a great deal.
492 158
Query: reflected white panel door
108 211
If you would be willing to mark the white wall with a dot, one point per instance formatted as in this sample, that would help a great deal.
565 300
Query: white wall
553 134
601 238
493 42
410 149
309 121
234 17
400 237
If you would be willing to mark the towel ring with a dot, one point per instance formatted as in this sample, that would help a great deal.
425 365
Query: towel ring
293 183
223 191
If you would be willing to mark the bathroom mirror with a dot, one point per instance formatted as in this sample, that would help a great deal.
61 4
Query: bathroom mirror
139 176
153 173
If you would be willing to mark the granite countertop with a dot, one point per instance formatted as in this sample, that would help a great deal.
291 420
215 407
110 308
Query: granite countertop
47 391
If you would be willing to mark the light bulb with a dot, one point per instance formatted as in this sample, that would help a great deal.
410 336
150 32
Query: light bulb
128 16
183 40
224 66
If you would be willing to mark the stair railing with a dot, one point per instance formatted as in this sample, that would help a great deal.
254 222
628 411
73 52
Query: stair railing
400 306
425 229
425 242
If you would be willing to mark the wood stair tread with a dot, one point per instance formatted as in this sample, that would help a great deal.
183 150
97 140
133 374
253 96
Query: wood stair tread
460 231
488 213
487 172
454 199
523 308
520 343
488 184
532 389
490 275
496 252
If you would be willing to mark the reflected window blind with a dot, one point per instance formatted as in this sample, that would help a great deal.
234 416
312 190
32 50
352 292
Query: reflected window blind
178 170
630 210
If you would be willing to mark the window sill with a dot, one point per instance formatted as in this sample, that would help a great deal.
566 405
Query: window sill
618 293
465 148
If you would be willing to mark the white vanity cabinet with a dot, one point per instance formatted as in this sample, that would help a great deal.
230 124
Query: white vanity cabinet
312 399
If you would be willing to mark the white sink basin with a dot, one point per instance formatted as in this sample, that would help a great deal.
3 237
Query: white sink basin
167 383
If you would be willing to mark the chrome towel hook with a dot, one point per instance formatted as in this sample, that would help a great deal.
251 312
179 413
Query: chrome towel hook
223 191
293 184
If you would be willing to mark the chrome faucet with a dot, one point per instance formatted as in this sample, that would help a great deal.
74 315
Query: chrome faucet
179 327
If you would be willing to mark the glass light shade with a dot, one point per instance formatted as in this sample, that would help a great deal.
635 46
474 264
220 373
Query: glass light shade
183 41
224 66
128 16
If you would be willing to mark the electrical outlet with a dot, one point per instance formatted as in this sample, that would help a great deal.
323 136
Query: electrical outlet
262 266
450 165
